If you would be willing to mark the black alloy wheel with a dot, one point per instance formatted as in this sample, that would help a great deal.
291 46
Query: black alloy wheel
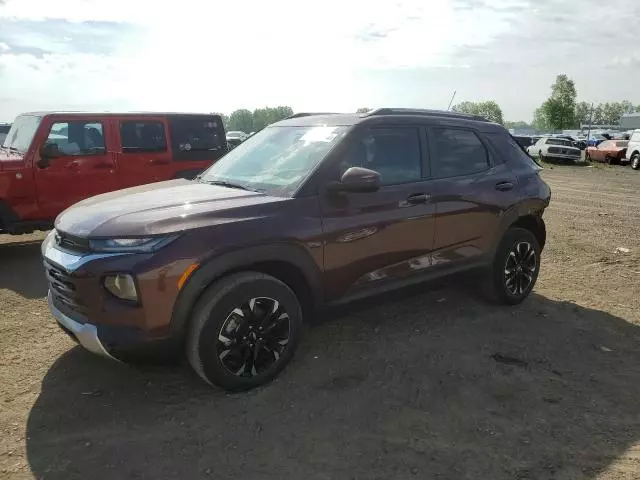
253 337
244 330
520 268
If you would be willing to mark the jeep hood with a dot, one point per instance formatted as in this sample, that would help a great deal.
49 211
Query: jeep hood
161 208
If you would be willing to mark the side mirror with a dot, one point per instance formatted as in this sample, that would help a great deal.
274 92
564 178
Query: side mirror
357 180
49 151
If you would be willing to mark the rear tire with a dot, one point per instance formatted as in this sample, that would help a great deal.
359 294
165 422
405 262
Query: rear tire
244 331
515 268
635 161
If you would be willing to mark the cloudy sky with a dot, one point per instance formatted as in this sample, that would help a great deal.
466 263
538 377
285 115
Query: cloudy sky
330 55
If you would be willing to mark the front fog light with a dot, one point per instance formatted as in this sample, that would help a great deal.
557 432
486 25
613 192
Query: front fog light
122 286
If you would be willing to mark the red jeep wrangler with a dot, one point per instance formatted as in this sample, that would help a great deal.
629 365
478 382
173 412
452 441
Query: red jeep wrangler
49 161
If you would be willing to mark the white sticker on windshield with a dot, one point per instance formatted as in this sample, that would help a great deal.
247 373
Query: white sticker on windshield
320 134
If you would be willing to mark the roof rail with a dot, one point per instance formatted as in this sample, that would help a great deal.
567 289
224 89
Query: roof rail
424 112
308 114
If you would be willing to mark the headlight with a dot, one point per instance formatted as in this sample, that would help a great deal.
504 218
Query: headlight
122 286
131 245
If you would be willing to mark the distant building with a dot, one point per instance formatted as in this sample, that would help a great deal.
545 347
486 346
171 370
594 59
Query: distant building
630 121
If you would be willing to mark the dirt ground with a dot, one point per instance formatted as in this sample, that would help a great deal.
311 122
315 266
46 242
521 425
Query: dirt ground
423 384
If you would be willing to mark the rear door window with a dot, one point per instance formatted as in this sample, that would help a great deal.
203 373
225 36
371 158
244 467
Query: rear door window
143 136
77 138
457 152
195 137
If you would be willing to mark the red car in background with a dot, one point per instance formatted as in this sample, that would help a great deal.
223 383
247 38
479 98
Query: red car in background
610 151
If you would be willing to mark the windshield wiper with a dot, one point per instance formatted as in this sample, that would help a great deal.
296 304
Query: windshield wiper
223 183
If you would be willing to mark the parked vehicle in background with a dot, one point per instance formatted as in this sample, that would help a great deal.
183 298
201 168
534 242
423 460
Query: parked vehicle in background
524 141
553 148
310 211
633 149
237 135
49 161
576 142
596 139
233 143
4 129
235 138
609 151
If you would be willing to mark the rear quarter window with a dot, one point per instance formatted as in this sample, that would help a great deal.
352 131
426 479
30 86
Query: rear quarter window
508 148
197 137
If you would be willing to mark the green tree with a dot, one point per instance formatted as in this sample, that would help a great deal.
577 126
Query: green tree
560 108
583 113
268 115
612 112
540 121
490 110
242 120
363 110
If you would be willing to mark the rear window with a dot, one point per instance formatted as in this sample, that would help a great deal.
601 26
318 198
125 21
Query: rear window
195 137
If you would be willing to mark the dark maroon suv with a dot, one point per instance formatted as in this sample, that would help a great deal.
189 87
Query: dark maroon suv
315 210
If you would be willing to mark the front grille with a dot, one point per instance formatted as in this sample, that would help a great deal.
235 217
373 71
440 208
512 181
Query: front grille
62 287
554 150
72 243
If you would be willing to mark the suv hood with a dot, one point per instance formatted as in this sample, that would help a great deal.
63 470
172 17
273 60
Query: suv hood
160 208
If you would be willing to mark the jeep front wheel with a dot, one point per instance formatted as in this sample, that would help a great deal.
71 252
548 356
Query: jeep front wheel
244 331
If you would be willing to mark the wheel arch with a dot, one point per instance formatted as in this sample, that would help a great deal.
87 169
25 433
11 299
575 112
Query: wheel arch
289 263
527 215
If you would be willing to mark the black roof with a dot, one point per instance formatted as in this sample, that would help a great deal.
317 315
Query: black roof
390 116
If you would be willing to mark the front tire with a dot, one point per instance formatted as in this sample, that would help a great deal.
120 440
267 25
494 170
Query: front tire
244 331
515 268
635 161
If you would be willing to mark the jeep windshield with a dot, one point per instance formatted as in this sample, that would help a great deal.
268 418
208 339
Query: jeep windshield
21 133
275 160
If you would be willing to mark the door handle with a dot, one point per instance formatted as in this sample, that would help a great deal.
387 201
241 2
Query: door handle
417 198
158 161
73 165
103 165
504 186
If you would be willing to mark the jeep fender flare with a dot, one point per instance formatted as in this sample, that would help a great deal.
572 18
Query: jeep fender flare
213 269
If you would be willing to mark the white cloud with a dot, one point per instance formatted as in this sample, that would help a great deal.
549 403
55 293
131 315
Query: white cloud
316 54
4 47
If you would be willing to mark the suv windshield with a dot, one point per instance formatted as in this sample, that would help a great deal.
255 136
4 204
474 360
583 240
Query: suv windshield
276 159
21 133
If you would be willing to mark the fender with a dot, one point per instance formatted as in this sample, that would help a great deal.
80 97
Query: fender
217 267
529 207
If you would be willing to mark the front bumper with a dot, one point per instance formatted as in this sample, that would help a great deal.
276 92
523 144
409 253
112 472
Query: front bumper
85 333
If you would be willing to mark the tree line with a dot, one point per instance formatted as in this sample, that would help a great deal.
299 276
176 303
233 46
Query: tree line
248 121
561 111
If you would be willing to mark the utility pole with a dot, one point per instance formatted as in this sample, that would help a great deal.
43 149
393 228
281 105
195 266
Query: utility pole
589 126
451 101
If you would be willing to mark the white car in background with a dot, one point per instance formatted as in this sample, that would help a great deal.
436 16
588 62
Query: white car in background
554 149
633 149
